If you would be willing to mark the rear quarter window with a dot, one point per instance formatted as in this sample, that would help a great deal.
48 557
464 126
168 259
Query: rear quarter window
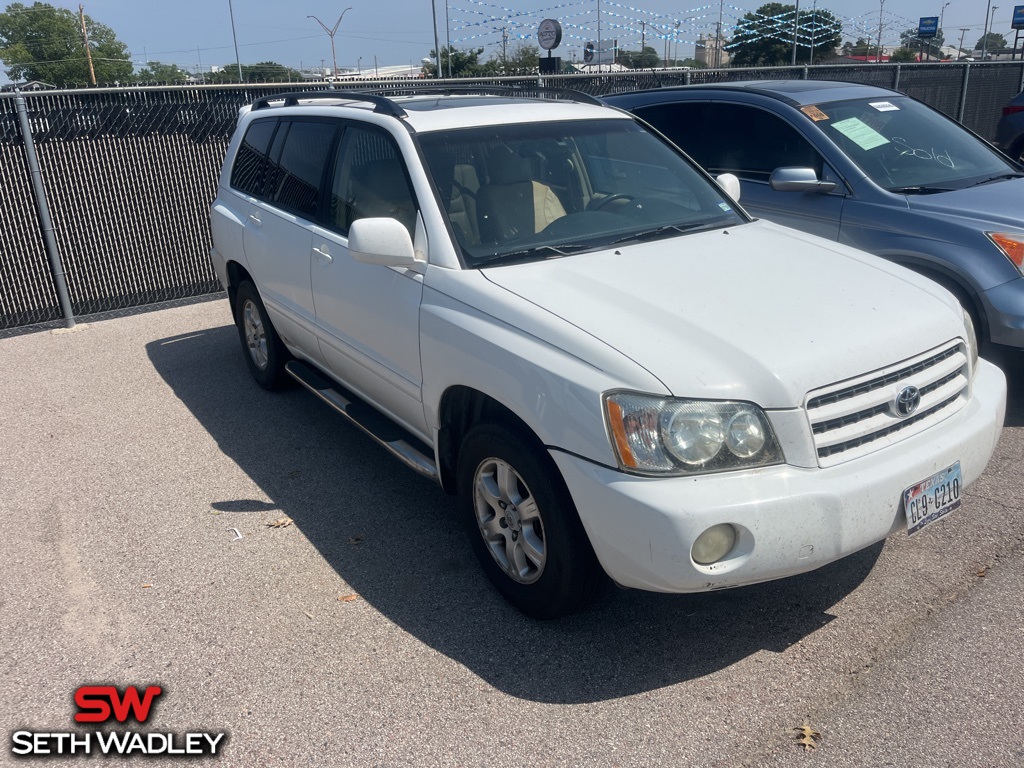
249 171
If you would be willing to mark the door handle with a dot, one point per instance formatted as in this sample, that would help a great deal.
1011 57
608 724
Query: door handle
323 254
255 220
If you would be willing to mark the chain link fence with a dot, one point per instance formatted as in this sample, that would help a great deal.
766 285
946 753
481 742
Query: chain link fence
129 174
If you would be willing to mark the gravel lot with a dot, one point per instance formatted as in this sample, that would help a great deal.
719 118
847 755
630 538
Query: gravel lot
136 447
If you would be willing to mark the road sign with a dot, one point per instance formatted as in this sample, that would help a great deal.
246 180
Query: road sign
588 52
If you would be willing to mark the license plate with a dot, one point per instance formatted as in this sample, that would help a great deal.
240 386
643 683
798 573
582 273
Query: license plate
933 498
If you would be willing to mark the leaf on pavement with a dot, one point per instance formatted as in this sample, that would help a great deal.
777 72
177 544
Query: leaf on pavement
356 539
807 737
982 571
283 522
347 598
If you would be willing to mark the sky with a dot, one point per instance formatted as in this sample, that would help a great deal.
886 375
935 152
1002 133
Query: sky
198 33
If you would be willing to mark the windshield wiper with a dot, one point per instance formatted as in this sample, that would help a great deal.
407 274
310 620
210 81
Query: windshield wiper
918 190
655 232
540 252
1000 177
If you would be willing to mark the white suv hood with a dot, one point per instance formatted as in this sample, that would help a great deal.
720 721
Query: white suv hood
757 312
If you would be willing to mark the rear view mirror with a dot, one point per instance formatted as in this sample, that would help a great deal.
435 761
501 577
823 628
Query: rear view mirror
798 180
730 184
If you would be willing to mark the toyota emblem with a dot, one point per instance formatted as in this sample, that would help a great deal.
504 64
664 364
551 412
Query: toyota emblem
906 401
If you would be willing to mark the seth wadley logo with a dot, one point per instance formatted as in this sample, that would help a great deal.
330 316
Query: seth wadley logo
101 703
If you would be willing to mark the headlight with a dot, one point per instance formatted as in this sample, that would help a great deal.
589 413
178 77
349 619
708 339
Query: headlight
972 341
674 436
1012 246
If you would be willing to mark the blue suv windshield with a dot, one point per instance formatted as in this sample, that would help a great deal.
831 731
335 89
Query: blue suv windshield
905 146
546 189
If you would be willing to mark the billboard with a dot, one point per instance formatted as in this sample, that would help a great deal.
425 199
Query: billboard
928 27
1018 17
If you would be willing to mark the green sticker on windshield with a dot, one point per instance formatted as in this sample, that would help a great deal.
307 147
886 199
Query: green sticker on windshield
860 133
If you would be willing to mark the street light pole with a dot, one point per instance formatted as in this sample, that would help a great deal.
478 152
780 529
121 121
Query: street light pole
984 33
331 33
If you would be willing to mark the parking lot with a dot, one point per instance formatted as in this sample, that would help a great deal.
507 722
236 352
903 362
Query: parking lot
283 580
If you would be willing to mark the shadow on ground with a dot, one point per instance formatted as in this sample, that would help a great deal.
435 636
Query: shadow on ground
415 566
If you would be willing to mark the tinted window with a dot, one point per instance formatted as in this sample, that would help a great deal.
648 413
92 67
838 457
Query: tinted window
681 123
752 143
249 172
370 180
295 177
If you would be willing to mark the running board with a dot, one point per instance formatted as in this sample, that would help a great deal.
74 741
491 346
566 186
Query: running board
407 448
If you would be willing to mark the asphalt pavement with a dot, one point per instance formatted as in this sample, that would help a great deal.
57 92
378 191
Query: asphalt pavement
141 478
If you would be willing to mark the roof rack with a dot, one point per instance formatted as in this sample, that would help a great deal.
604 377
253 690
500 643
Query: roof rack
385 105
500 90
381 104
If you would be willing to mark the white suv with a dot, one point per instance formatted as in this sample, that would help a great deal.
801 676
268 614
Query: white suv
548 308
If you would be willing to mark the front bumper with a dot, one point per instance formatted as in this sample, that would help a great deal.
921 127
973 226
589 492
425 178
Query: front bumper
790 519
1004 306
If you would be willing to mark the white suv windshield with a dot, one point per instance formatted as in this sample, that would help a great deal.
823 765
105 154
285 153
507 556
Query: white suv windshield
539 190
904 146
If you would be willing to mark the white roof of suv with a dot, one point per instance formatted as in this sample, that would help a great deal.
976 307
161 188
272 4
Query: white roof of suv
446 110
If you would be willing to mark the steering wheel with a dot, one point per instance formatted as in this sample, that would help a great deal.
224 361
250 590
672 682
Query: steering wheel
604 202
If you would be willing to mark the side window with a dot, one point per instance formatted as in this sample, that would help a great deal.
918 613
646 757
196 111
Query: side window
682 124
301 152
249 172
752 143
370 181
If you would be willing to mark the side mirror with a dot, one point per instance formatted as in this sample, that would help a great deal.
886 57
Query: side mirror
730 184
382 241
798 180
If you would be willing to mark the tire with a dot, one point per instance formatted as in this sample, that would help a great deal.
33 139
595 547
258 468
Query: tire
264 351
523 525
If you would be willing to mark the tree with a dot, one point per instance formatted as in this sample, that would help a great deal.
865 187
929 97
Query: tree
522 59
40 42
993 41
765 37
264 72
860 48
155 72
647 58
910 41
463 63
903 55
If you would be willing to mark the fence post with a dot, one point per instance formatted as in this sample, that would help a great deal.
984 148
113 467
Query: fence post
963 93
1021 86
688 76
896 79
805 73
43 208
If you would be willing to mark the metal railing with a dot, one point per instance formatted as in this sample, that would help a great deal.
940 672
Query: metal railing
128 174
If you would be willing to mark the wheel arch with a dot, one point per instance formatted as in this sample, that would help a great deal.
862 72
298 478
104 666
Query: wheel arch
460 409
957 284
236 275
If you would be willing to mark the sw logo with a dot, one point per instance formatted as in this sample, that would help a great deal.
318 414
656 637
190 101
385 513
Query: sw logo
99 704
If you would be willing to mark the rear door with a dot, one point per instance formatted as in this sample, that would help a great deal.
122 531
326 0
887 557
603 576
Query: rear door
278 227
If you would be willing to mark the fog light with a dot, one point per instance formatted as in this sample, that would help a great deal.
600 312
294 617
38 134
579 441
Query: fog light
714 544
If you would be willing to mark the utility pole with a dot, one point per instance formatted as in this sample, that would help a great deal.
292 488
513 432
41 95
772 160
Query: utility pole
796 23
331 33
234 36
878 51
448 39
814 28
504 50
643 36
989 17
963 31
437 46
85 41
718 38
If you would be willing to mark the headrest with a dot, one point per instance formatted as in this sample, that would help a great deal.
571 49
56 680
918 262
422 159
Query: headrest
506 167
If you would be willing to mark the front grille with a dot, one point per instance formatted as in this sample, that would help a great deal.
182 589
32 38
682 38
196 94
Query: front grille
855 417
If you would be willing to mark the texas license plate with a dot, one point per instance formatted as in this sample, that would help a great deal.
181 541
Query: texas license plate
933 498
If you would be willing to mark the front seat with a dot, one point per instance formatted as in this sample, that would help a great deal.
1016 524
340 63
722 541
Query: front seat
513 204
